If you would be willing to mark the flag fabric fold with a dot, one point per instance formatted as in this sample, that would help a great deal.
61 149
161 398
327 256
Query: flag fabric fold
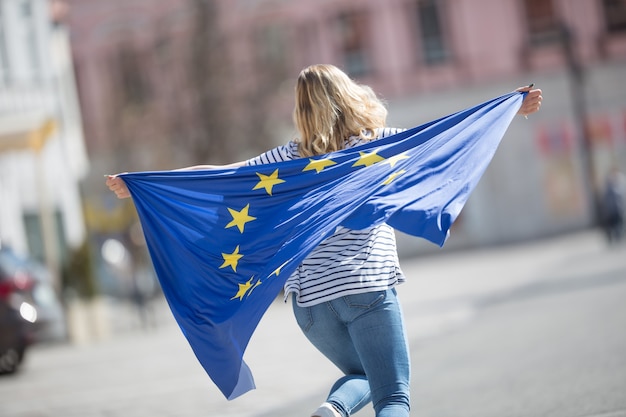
223 242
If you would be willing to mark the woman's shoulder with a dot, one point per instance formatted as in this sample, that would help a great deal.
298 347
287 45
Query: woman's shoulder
383 132
379 133
280 153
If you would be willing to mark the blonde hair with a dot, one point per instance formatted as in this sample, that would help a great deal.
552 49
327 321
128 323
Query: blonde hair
331 107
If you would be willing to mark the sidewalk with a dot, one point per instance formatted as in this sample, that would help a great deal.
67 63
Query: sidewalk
445 293
444 289
441 293
153 372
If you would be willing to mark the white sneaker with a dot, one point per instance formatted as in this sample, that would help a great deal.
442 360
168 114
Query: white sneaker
326 410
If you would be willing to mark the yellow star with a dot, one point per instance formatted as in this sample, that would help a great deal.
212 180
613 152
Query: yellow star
396 158
231 259
277 271
268 181
240 218
368 159
393 177
243 289
256 284
318 164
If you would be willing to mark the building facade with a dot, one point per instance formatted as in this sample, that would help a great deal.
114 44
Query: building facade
427 58
42 153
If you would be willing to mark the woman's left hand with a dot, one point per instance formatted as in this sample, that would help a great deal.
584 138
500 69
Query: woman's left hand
118 186
532 101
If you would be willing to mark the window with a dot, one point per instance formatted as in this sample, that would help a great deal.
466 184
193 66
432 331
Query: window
133 81
307 44
352 36
434 49
615 15
542 21
35 239
29 33
271 47
4 59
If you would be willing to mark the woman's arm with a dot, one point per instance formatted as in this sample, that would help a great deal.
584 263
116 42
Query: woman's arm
530 105
118 186
199 167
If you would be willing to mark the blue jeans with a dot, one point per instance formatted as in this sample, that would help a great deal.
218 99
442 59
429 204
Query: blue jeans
364 336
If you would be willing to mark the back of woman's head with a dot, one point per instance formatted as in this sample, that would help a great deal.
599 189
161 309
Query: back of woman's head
331 107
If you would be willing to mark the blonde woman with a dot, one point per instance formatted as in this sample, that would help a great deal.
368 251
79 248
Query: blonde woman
343 293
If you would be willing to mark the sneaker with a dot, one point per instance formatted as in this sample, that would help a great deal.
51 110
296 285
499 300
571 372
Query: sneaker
326 410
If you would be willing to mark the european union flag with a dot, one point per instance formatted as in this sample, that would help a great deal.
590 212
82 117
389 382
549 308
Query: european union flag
223 242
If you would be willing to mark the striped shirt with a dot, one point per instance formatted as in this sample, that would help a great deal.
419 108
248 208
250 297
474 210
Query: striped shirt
349 261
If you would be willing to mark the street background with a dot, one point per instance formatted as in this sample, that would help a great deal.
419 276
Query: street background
532 329
104 86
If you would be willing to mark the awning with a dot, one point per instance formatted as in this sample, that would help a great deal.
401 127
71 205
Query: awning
25 131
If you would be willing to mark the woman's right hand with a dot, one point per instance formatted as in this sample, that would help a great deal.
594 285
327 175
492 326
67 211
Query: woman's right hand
118 186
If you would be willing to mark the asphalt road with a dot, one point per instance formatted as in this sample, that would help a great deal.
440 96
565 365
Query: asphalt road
528 330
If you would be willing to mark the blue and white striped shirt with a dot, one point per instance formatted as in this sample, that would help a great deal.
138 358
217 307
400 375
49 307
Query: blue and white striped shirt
349 261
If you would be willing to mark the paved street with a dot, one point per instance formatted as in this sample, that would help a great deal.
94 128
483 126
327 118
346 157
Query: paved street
526 330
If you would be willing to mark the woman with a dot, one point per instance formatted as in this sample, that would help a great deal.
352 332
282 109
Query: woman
344 296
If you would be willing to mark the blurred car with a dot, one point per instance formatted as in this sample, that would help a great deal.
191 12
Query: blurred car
30 312
50 324
16 313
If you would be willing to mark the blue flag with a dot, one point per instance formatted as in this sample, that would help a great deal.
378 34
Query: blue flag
223 242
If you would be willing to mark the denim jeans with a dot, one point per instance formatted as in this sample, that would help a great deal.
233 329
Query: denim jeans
364 336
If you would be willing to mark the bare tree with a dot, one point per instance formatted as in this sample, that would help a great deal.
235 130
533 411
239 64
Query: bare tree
226 118
210 81
181 103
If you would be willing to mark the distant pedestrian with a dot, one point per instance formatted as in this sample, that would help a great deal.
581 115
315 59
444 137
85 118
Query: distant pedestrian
614 205
344 296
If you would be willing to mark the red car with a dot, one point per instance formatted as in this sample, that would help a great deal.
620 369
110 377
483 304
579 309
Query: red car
16 312
29 309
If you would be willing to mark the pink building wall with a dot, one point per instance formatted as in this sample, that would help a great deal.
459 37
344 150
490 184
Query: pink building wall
488 39
490 52
98 30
